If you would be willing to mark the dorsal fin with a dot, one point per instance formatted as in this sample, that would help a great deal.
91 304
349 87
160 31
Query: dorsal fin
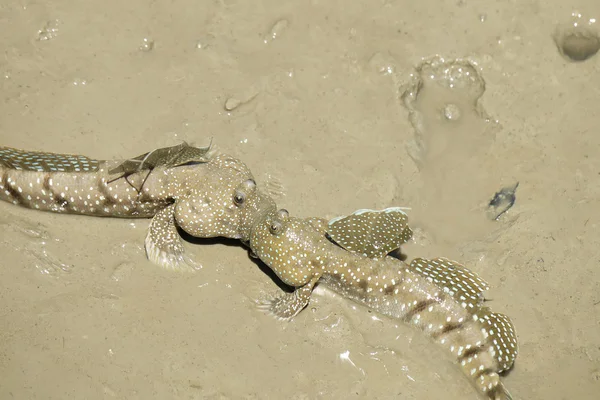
371 233
46 162
163 157
501 334
458 281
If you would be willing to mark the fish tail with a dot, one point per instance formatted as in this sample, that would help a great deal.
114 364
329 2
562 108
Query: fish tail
30 178
490 385
483 342
495 353
52 182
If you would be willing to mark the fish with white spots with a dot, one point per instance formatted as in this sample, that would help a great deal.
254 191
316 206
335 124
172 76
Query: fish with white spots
204 194
441 297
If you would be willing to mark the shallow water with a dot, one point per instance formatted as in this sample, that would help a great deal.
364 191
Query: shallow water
313 97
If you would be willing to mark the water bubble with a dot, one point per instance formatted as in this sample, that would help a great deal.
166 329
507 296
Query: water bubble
235 102
382 64
49 31
231 104
147 45
79 82
205 42
452 112
276 30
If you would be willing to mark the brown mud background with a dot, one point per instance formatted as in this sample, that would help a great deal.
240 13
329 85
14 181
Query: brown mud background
318 99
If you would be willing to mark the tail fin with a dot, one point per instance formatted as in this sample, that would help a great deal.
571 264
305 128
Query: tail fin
496 356
484 342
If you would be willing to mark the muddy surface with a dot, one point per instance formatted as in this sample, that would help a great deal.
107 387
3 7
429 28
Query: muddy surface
335 106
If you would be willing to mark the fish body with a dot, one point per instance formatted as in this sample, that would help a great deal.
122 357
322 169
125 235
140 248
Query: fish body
439 296
86 189
205 195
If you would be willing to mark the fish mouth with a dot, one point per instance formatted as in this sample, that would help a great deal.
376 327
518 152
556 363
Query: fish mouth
231 230
258 220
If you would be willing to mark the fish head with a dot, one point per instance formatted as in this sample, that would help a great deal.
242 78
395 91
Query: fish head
292 247
224 202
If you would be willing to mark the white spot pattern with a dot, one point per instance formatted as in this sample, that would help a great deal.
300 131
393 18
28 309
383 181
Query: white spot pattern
202 196
372 233
439 296
500 332
459 282
45 162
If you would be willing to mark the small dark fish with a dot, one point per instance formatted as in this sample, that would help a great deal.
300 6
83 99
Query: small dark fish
502 201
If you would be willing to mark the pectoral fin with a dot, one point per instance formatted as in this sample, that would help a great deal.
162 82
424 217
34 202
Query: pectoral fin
288 305
163 244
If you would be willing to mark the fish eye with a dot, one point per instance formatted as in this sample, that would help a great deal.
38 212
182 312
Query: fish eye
275 227
249 184
239 198
283 213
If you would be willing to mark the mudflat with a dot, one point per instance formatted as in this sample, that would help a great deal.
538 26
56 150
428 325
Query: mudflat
335 106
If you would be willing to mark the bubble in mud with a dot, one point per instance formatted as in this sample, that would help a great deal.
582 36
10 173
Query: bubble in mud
276 30
204 42
459 78
49 31
147 45
79 82
455 74
452 112
231 104
577 40
382 64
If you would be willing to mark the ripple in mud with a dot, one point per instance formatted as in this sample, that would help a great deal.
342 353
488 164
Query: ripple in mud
577 40
32 241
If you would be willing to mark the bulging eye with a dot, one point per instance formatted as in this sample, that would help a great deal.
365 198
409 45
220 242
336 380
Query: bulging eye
250 184
283 214
239 198
246 188
276 227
